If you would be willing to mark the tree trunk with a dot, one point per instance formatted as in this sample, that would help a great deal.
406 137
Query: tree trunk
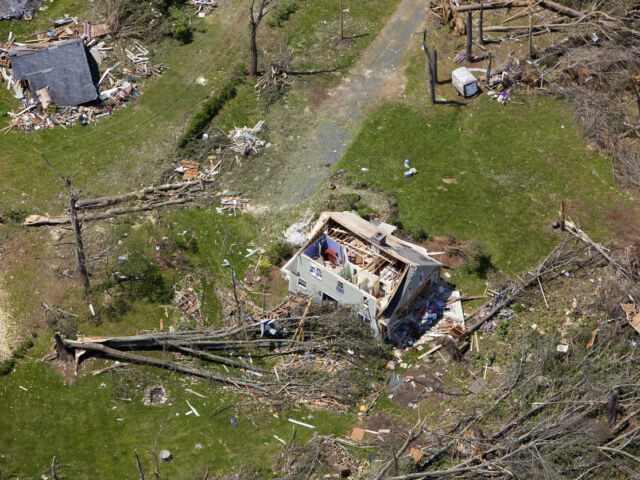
469 38
635 87
82 263
531 37
341 23
54 476
491 6
253 49
135 454
488 76
481 25
434 64
432 89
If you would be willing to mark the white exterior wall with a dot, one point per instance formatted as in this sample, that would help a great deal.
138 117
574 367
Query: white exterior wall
299 268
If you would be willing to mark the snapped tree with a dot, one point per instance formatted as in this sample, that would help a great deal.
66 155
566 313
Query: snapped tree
255 17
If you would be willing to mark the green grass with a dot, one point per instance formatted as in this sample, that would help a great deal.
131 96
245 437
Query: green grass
511 166
79 423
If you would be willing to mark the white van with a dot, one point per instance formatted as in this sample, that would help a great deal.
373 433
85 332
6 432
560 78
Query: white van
464 82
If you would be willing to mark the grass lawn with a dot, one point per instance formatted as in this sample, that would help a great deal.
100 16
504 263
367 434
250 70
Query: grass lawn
93 431
485 171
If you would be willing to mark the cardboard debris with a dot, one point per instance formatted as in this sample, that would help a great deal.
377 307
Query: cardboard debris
633 315
189 170
357 434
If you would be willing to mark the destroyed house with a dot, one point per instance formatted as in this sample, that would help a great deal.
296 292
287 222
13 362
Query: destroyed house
59 73
354 262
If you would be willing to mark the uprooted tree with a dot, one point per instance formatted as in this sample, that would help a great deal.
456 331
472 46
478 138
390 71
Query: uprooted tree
255 17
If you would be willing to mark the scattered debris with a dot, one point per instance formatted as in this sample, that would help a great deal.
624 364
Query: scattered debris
245 140
154 395
189 170
296 235
187 300
203 7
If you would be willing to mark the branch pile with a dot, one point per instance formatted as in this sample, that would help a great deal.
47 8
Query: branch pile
275 82
319 359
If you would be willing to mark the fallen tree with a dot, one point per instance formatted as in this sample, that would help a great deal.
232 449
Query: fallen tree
334 341
152 198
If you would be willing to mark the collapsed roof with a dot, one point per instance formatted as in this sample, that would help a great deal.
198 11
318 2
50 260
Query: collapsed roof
63 69
17 8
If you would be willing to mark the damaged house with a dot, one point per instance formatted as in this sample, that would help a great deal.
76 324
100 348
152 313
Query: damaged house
354 262
58 74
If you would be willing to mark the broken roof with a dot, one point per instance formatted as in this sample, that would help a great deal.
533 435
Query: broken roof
63 68
393 246
17 8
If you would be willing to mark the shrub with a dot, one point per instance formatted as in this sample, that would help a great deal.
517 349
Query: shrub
6 366
14 213
212 107
281 13
150 20
418 234
279 253
22 349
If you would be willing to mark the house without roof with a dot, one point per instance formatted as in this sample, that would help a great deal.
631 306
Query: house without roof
354 262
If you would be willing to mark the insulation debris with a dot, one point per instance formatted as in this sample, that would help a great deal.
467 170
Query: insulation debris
245 140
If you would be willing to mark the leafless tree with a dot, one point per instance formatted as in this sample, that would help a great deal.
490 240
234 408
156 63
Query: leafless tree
255 17
77 230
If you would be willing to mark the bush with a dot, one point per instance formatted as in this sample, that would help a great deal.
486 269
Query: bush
6 366
418 234
279 253
16 214
212 107
150 20
281 13
182 30
22 349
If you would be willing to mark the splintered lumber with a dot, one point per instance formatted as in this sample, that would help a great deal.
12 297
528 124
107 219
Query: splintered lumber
155 362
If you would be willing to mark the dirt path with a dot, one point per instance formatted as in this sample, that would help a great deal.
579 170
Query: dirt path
374 77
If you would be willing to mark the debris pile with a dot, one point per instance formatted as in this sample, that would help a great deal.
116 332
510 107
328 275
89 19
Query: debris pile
37 71
276 80
187 301
245 140
436 315
203 7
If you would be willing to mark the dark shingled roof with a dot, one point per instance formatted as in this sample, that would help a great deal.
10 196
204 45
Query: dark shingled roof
63 68
17 8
